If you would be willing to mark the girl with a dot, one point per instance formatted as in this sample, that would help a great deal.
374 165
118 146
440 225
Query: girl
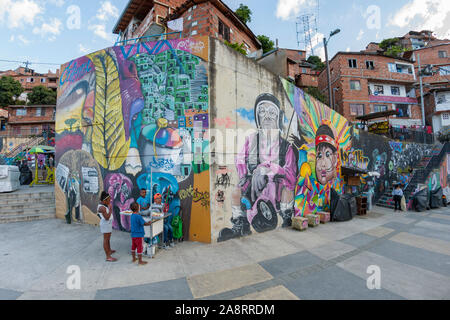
106 219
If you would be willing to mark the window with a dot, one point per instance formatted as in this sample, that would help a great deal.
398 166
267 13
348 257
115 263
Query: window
16 130
357 109
194 32
441 98
402 110
224 31
34 130
21 112
42 80
370 65
442 54
400 68
379 108
303 70
38 112
395 91
444 71
378 90
31 80
355 85
352 63
445 116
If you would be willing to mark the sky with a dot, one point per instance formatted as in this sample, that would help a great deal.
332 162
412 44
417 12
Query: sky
52 32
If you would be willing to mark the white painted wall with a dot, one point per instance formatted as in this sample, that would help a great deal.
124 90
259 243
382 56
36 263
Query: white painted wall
387 89
442 101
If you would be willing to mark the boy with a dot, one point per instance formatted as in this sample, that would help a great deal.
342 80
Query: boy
137 233
143 201
157 206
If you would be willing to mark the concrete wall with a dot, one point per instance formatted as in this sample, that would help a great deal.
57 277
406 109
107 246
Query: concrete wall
135 117
296 165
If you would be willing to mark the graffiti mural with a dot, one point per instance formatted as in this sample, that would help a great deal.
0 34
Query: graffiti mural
267 171
140 112
324 136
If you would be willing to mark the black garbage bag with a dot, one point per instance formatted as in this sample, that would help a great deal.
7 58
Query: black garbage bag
420 200
341 207
436 198
26 176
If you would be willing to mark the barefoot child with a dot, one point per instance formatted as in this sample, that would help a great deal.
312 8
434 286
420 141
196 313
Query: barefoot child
137 233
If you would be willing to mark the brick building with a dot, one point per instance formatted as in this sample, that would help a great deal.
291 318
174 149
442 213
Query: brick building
291 64
435 59
24 121
30 79
201 17
366 82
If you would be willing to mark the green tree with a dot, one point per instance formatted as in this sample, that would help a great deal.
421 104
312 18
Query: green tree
315 92
244 13
42 95
236 46
392 47
10 90
317 62
267 44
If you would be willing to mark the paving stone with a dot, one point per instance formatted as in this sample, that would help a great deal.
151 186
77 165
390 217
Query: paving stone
217 282
435 245
275 293
335 283
290 263
434 226
332 250
414 256
379 232
358 240
167 290
430 233
401 279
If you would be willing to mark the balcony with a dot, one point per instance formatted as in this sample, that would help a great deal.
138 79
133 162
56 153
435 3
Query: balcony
393 99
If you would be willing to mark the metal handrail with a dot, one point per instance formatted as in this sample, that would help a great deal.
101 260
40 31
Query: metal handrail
136 40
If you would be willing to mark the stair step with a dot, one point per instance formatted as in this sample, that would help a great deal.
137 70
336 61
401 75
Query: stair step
28 210
28 201
23 218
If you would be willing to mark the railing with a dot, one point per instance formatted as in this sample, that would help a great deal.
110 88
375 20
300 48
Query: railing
146 38
420 175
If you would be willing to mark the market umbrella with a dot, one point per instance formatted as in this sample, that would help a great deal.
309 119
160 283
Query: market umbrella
41 149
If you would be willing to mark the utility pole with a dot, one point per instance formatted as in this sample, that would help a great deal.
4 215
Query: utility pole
421 91
421 98
330 99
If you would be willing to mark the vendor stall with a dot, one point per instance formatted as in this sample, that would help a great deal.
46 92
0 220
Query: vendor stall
352 177
49 170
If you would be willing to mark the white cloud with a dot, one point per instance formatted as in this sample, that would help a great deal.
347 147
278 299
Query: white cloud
106 11
51 29
19 13
83 49
100 30
360 34
420 15
24 40
58 3
347 50
288 9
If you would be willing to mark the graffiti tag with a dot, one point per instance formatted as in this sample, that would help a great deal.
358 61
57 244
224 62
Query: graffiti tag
191 45
396 146
197 196
354 158
165 164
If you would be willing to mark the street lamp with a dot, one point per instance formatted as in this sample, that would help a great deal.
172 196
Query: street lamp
325 43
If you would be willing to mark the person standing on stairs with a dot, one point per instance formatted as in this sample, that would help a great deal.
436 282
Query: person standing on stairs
398 194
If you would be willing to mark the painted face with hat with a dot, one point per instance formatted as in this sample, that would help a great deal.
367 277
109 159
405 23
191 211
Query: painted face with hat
326 155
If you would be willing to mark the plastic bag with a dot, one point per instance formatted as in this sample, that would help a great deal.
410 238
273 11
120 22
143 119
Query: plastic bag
403 204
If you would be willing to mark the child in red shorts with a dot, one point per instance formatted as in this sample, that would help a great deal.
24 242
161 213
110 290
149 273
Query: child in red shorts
137 233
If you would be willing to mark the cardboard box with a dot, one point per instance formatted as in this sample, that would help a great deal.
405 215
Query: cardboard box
313 220
300 223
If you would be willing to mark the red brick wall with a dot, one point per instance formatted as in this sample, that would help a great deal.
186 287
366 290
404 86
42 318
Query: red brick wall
207 18
342 74
431 56
46 115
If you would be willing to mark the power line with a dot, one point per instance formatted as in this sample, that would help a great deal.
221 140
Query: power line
30 63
